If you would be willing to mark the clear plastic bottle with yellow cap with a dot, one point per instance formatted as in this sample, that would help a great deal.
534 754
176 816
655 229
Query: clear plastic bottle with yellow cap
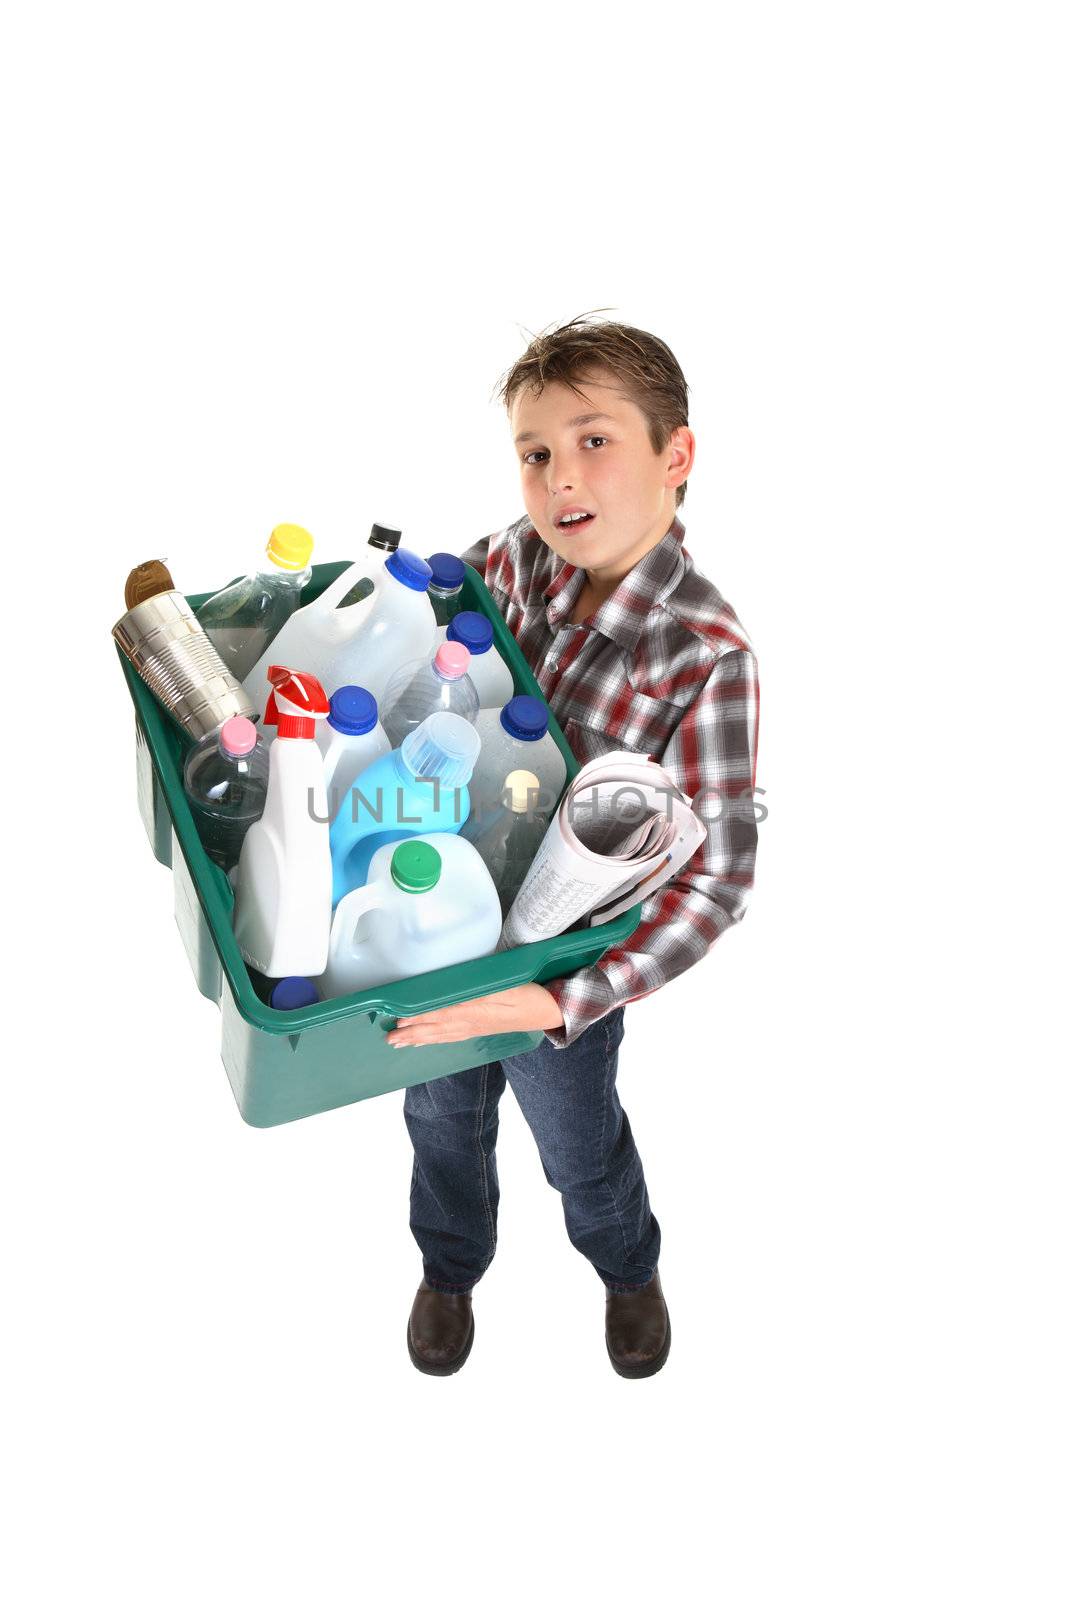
244 618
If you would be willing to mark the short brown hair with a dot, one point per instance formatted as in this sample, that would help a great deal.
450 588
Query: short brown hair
645 367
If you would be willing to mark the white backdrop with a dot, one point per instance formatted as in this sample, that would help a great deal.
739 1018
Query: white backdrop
266 264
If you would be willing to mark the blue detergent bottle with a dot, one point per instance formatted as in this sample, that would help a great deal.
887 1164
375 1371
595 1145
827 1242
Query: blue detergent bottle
419 788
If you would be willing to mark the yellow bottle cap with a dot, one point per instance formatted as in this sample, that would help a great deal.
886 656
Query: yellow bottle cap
290 546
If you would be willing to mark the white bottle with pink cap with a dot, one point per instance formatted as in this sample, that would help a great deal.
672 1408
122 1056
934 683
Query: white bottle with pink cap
415 692
226 786
283 896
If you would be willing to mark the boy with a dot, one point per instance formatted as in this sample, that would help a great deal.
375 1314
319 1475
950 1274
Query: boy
632 648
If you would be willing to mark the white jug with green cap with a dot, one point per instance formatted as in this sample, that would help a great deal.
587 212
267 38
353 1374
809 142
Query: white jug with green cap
428 902
243 619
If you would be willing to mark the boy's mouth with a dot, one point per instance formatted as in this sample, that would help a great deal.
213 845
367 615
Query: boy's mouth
573 520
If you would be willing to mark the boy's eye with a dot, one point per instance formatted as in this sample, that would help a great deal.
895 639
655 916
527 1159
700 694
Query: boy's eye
530 457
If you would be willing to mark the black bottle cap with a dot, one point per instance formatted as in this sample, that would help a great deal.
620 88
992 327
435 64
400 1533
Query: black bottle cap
384 538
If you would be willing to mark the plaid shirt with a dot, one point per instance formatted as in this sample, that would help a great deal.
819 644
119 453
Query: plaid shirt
664 668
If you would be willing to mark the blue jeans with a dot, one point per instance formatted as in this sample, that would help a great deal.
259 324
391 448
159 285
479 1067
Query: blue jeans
569 1099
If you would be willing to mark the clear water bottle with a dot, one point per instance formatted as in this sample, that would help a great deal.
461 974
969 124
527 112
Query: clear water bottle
449 576
243 619
226 786
509 845
442 684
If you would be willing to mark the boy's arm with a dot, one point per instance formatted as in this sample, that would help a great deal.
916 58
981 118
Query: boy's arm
712 757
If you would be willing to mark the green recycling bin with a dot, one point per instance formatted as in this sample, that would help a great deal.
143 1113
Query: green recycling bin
283 1065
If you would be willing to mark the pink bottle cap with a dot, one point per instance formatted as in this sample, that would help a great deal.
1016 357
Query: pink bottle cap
452 660
237 736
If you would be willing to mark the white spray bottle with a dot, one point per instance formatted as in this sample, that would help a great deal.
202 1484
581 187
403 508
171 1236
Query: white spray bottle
283 897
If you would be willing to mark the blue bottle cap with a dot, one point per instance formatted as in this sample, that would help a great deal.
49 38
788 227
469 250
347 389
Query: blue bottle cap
448 571
473 630
409 569
524 717
352 710
289 994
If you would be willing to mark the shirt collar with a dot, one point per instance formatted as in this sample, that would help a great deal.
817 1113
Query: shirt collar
622 615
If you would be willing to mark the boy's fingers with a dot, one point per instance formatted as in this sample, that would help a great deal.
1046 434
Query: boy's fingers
426 1016
435 1033
461 1013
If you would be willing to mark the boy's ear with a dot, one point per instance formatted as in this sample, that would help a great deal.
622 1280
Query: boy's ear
682 448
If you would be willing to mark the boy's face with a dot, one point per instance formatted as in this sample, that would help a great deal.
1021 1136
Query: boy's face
591 452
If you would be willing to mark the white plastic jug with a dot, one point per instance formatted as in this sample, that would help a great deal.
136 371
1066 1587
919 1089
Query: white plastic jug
428 902
362 643
282 901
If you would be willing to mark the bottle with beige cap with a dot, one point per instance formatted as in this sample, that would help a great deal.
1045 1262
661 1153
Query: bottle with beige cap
243 619
508 845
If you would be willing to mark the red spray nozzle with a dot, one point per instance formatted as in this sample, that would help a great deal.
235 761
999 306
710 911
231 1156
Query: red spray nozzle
296 701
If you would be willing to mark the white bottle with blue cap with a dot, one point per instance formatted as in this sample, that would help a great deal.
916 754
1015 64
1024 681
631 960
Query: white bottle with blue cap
489 672
420 788
515 738
350 739
362 643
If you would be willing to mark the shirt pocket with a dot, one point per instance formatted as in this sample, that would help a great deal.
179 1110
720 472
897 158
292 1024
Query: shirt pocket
644 725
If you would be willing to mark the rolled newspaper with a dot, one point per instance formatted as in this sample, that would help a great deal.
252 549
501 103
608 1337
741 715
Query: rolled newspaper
622 829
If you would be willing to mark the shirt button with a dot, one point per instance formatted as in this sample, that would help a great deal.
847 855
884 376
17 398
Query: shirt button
553 666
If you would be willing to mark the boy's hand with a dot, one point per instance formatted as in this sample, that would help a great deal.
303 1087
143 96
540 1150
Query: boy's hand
520 1010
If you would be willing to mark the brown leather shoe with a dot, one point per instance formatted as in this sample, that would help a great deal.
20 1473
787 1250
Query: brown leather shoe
440 1330
638 1330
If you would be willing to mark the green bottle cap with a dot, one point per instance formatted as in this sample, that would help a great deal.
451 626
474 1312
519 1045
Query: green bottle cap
416 866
